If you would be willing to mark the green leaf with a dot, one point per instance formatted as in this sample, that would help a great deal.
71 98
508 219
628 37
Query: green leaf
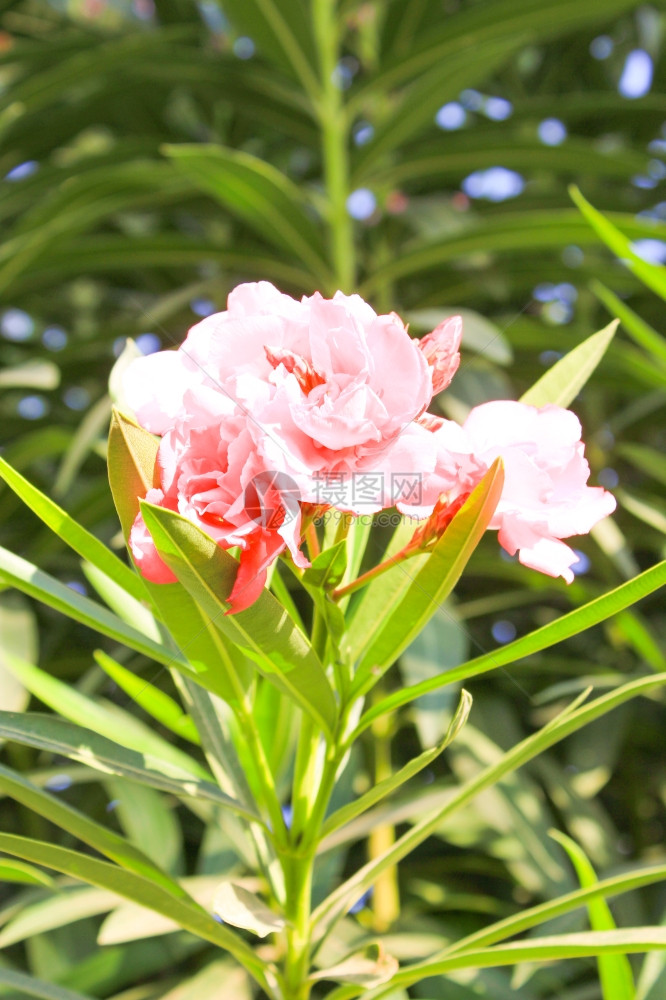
382 595
140 890
282 31
328 569
106 718
77 743
241 908
561 384
543 912
443 644
264 633
576 621
148 697
430 585
19 573
38 988
640 331
417 104
18 637
67 905
652 275
111 252
80 826
590 944
18 871
332 908
467 29
132 454
261 195
506 232
148 820
617 981
389 785
458 154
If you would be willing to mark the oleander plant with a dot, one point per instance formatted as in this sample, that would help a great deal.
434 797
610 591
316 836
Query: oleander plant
334 667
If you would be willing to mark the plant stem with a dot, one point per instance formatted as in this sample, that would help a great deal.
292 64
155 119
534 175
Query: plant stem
298 877
262 772
334 125
370 574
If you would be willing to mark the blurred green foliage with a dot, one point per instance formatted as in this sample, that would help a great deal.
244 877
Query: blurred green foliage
155 156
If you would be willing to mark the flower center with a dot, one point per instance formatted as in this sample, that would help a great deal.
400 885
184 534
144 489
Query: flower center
296 365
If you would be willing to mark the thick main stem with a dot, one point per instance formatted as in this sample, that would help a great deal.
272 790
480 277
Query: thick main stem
334 126
310 797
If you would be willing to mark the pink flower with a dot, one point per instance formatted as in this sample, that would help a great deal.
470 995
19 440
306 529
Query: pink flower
211 473
545 496
327 385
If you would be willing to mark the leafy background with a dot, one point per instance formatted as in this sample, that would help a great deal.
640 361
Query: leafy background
121 219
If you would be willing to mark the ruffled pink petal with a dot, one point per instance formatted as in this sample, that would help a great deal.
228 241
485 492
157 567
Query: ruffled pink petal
262 549
441 349
154 387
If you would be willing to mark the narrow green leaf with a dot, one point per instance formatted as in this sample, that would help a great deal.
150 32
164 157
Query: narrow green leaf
383 595
432 584
260 194
19 573
543 912
19 636
149 820
19 871
389 785
518 232
652 275
67 905
111 252
561 384
134 612
467 29
264 633
106 718
282 30
456 155
617 981
131 922
149 698
332 908
589 944
576 621
640 331
94 834
140 890
38 988
49 733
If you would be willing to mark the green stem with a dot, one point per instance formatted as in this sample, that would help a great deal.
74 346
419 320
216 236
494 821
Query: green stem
262 772
298 878
364 578
334 124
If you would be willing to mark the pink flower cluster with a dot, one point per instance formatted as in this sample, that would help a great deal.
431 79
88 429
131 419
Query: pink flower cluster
264 400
